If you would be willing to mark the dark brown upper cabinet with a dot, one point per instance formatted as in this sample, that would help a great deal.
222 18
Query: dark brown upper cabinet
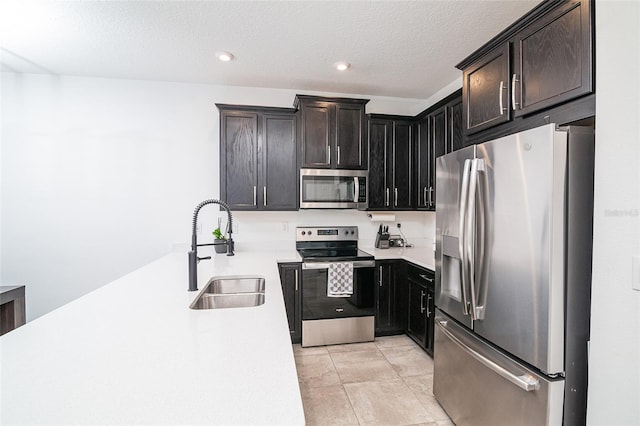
332 132
391 184
258 167
553 59
438 131
543 60
485 84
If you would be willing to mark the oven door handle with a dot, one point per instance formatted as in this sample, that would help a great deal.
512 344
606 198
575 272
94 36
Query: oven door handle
325 265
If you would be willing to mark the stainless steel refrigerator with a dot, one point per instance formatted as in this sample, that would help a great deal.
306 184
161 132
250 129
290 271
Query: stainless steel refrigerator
513 277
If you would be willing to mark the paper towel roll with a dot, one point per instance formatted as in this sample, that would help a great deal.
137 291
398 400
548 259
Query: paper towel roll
382 217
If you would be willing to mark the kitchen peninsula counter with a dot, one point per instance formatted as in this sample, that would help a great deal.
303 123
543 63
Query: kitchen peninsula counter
132 352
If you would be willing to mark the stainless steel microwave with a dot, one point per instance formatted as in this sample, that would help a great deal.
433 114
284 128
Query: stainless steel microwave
333 189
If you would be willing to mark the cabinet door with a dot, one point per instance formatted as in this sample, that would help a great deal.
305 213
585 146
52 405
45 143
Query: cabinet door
279 190
351 146
316 134
422 161
290 274
392 298
402 174
455 139
485 90
239 159
417 326
379 138
553 61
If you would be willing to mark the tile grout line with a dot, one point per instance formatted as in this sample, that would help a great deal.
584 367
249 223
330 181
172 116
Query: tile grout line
344 389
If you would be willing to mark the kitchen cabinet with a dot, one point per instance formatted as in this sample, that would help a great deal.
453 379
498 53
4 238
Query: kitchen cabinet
258 168
391 185
290 275
421 310
438 132
553 58
391 298
332 132
485 85
552 51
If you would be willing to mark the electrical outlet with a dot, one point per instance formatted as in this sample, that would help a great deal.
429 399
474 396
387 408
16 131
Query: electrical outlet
236 228
285 226
198 229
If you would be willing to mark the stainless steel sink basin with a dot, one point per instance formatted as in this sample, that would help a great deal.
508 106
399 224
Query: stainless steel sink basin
229 300
231 292
235 284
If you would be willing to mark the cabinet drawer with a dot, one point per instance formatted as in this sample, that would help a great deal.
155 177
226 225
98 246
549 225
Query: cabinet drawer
423 276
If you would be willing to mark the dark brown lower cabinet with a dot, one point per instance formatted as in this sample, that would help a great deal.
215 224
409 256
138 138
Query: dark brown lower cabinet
420 325
290 276
391 297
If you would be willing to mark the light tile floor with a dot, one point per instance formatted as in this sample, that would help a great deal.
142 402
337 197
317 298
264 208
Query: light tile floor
386 382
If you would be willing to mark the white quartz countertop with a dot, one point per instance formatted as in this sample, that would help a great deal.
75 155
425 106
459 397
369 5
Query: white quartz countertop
421 256
132 352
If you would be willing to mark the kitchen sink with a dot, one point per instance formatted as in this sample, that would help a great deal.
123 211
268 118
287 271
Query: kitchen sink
231 292
235 284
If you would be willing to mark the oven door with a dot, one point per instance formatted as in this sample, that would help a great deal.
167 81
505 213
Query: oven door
317 305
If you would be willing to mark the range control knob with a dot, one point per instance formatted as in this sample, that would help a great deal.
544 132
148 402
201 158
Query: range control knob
304 233
353 232
346 232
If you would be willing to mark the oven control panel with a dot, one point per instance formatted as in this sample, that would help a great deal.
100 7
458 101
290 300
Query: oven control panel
332 233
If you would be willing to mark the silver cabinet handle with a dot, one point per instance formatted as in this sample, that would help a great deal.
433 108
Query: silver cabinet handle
525 382
328 154
500 97
421 301
338 153
514 80
424 196
264 196
255 196
386 197
430 196
428 303
380 276
296 273
395 197
425 277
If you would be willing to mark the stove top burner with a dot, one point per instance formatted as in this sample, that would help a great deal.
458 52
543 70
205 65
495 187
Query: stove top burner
334 255
329 244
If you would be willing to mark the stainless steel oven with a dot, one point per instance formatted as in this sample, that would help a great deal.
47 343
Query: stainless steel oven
333 189
330 320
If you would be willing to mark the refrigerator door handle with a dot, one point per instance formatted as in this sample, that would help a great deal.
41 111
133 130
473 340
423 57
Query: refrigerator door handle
470 231
475 228
481 279
525 382
464 194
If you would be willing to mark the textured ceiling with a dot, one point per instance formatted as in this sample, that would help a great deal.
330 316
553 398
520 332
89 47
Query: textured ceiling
402 49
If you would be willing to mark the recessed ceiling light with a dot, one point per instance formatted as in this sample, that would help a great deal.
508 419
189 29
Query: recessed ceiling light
224 56
342 66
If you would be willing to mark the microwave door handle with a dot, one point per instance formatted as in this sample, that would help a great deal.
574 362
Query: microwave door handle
356 189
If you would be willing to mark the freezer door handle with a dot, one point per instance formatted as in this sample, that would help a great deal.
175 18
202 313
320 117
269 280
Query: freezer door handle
524 382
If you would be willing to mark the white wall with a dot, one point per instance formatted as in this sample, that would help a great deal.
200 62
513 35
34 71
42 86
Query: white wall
100 176
614 375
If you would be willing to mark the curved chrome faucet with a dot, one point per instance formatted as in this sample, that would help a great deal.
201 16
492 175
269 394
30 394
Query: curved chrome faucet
193 254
